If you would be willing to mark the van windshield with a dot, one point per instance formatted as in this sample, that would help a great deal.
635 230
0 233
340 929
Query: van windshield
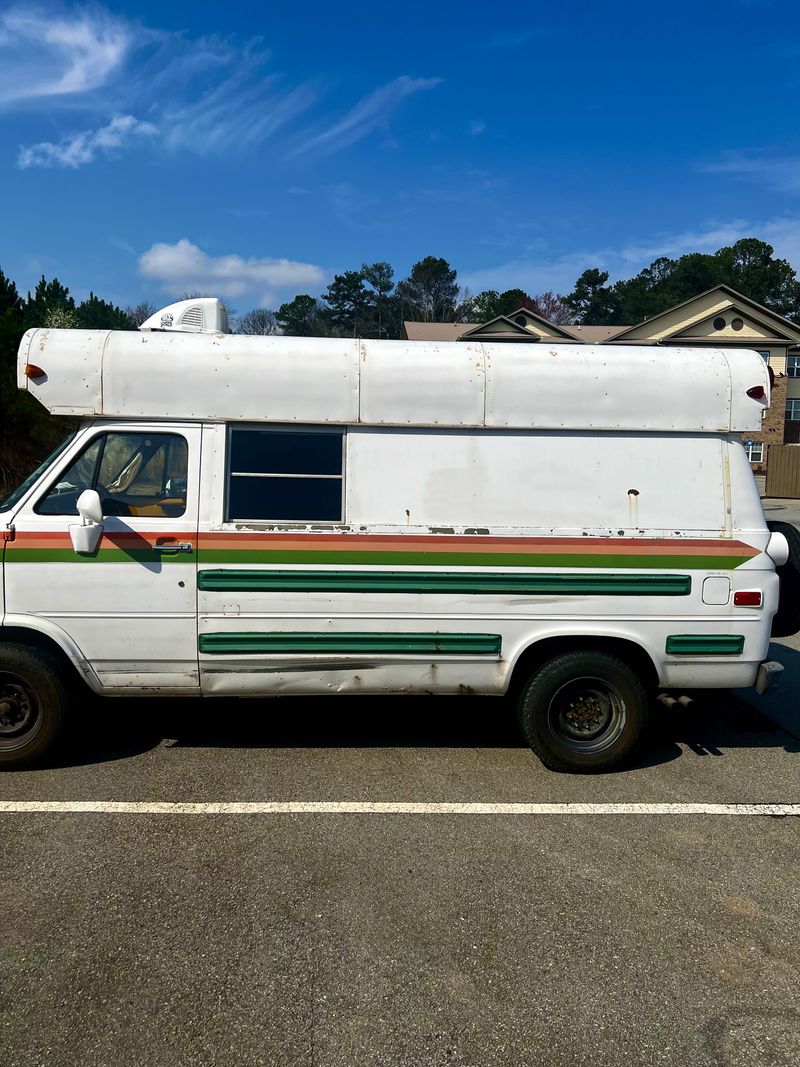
17 494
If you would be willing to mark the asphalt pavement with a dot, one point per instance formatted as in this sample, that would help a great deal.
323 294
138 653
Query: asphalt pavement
403 940
399 940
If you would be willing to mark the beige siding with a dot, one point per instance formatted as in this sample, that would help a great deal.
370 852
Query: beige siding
777 360
749 330
696 319
679 319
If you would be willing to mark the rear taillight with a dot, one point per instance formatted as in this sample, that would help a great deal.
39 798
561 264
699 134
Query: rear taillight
747 598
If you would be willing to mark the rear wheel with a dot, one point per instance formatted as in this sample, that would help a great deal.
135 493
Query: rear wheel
786 620
33 702
583 711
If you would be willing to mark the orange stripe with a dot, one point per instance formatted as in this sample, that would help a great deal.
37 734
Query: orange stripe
447 540
584 546
44 539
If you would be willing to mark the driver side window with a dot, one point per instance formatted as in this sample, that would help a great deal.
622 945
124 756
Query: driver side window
134 473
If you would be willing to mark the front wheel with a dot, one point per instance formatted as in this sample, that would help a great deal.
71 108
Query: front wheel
583 711
33 702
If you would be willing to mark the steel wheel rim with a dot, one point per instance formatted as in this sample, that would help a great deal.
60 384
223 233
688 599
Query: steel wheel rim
20 712
587 715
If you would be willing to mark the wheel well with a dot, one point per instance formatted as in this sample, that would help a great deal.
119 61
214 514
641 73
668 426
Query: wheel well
540 651
21 635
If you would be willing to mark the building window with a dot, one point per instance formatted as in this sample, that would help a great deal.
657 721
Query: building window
765 357
285 475
793 410
755 451
793 366
719 323
737 324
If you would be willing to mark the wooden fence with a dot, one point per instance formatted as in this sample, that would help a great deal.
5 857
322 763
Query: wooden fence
783 471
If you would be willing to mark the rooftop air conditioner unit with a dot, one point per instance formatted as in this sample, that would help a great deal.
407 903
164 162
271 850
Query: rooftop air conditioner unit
204 314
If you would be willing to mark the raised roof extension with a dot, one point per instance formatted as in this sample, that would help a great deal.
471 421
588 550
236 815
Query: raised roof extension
178 375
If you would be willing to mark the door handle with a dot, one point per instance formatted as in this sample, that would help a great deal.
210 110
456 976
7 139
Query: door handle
172 548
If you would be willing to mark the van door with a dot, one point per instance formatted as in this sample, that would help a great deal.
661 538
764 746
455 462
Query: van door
131 606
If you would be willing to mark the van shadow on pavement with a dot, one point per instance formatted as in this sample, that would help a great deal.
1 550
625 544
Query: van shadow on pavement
117 729
783 705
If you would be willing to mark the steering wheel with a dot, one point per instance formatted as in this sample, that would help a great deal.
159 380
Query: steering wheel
111 506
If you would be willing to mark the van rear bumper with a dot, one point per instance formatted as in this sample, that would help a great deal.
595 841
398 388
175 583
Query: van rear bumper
709 674
721 674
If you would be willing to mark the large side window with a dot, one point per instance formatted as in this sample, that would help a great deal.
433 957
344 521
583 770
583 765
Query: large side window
134 473
285 475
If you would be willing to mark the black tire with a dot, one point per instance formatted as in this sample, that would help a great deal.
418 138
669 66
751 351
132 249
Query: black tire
786 620
583 711
33 704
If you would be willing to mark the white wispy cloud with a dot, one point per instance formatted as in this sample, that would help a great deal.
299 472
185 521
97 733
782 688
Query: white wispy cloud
183 266
234 116
207 95
779 173
242 107
559 271
83 148
371 112
44 54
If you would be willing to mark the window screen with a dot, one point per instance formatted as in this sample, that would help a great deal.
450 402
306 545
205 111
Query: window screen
285 475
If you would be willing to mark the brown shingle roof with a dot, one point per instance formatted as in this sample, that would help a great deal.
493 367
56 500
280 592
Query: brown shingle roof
452 331
594 335
436 331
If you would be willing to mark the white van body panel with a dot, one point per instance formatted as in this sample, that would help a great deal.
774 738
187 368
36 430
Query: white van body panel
493 497
512 479
468 489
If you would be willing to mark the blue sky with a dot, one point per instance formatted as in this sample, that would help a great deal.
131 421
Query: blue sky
252 150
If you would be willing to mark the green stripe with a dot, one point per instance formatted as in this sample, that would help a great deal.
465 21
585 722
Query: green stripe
244 581
476 559
705 645
312 643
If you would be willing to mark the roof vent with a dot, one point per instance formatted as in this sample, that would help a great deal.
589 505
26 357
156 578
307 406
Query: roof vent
201 315
193 318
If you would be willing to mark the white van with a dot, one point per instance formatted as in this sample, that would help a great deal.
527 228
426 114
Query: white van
259 516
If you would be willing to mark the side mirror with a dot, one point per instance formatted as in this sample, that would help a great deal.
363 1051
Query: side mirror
86 537
89 507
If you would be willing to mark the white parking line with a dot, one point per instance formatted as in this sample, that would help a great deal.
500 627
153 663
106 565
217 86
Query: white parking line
368 807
